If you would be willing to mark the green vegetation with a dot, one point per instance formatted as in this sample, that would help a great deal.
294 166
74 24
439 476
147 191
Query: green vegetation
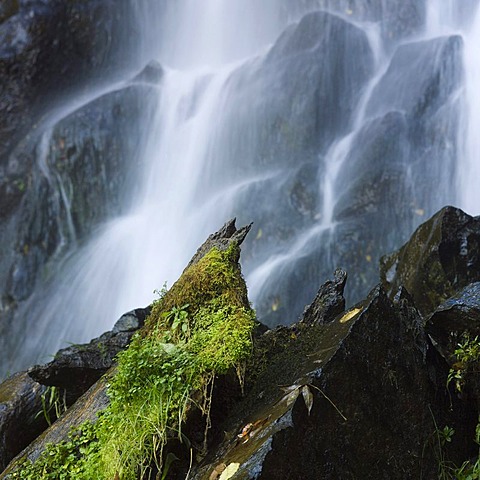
200 328
54 403
467 356
62 461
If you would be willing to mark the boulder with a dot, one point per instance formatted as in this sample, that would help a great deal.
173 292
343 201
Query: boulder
456 317
49 50
440 259
76 368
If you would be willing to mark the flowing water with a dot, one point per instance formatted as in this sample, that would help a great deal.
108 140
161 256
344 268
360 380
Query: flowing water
335 133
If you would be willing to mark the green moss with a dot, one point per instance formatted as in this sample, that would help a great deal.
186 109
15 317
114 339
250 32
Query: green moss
200 328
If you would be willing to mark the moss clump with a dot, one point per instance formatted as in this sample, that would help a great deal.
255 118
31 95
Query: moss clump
200 328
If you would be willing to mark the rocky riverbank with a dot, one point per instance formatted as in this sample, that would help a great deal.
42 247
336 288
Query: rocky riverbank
376 391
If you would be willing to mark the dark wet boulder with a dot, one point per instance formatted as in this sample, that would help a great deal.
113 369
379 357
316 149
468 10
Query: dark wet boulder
21 418
76 368
329 301
455 320
48 50
441 258
151 74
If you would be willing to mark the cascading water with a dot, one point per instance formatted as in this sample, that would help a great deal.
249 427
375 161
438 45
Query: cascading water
324 123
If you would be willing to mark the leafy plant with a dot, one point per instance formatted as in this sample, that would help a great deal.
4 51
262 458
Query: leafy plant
62 461
467 354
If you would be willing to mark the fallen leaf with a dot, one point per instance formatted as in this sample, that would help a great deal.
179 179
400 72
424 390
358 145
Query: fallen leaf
217 471
349 315
245 430
307 397
230 471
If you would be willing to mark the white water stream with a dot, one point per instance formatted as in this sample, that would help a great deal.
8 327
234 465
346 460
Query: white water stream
188 192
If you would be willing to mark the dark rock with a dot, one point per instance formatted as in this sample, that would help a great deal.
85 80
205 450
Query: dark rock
329 301
441 258
222 239
152 74
21 419
49 50
359 397
457 316
76 368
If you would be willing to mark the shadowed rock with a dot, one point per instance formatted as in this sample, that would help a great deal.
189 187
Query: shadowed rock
21 418
78 367
329 301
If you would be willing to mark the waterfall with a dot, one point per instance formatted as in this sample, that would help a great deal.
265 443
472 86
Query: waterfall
336 127
470 197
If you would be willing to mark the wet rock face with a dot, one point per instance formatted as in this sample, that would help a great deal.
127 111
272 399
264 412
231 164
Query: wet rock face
67 181
20 415
62 172
304 94
441 258
76 368
456 320
48 49
409 123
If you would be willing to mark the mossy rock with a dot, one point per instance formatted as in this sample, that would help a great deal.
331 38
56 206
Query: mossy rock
198 330
441 257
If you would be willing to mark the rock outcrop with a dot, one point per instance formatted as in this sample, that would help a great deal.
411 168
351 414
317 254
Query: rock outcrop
360 393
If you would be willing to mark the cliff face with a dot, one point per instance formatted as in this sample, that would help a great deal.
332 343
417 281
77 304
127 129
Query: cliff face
362 393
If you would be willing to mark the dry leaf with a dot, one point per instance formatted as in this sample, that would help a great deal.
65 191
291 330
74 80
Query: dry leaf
349 315
217 471
230 471
307 397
